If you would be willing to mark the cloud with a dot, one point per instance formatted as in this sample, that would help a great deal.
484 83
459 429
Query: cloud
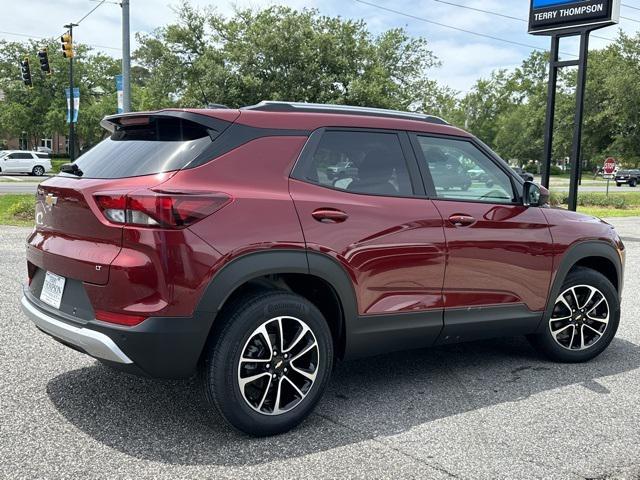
465 57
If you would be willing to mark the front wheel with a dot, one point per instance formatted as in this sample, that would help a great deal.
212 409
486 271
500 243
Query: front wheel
584 319
270 364
633 183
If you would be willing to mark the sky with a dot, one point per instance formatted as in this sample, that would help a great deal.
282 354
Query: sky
465 57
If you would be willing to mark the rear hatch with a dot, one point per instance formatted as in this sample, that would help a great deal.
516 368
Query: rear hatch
78 233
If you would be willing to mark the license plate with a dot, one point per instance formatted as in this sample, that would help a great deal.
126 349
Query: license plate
52 289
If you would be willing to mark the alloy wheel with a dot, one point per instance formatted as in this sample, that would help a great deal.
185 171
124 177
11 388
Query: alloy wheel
278 365
580 317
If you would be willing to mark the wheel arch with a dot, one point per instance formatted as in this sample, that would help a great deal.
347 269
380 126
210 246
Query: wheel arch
600 256
298 271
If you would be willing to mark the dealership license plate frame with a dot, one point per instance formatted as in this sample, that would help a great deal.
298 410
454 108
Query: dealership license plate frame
53 289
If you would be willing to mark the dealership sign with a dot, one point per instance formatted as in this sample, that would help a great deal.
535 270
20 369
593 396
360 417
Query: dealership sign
551 16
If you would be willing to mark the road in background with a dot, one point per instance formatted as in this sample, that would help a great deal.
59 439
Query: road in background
482 410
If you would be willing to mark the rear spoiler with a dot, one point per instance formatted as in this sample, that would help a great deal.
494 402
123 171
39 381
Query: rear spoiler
113 122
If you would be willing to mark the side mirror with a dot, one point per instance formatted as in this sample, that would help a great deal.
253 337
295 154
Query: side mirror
534 195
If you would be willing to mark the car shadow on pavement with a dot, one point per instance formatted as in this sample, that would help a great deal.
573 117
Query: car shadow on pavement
168 421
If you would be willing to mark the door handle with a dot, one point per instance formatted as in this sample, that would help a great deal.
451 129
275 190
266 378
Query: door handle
460 220
329 215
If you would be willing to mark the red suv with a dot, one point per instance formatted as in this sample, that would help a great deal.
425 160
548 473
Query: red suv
256 246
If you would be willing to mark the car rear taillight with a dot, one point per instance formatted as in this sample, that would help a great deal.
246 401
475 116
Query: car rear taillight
159 208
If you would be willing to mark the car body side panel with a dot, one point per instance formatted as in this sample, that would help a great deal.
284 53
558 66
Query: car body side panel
393 248
569 230
505 257
261 214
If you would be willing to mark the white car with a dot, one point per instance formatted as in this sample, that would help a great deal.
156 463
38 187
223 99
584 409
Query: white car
24 161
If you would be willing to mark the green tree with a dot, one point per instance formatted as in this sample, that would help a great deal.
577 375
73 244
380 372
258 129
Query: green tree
283 54
41 110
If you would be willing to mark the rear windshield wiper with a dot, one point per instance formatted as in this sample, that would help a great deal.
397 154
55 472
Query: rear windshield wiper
71 168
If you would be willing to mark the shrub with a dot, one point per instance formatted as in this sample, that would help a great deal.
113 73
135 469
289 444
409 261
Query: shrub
601 200
22 210
590 200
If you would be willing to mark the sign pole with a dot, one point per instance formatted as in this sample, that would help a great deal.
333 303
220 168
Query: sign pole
551 108
577 131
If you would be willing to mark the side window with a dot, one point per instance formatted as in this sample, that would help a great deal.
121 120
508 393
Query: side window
361 162
462 172
20 156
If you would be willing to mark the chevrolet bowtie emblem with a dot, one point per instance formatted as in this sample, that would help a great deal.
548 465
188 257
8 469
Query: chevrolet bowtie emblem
50 200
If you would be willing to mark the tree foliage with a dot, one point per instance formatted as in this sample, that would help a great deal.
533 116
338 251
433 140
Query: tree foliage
283 54
508 109
41 110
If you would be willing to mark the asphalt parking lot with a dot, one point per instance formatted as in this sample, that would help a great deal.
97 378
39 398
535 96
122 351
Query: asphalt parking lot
481 410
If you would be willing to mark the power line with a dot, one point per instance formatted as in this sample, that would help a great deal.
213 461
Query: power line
630 19
16 34
489 12
451 27
90 12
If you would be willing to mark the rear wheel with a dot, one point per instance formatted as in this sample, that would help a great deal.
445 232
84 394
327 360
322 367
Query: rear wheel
38 171
270 364
584 319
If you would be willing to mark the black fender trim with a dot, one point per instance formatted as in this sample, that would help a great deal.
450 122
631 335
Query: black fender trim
269 262
575 253
247 267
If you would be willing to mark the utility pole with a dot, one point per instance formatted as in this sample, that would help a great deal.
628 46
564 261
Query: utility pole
72 133
126 58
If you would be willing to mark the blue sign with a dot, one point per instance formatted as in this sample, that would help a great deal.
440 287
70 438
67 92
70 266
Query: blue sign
572 16
76 104
120 93
550 3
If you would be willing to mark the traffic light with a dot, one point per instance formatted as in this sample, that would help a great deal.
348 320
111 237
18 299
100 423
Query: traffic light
25 70
43 56
67 45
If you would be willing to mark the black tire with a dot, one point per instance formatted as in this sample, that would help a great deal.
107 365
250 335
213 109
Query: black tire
220 370
38 171
545 342
618 184
633 183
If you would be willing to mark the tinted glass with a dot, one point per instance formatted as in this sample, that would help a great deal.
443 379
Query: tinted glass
42 155
162 145
21 156
460 171
361 162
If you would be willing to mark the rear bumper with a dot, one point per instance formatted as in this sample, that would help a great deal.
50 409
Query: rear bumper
93 343
161 347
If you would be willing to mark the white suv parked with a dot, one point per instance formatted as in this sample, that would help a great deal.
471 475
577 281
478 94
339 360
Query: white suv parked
24 161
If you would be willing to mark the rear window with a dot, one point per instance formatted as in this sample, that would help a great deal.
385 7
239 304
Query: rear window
160 145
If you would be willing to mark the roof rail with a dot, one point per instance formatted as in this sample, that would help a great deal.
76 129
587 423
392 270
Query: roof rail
271 106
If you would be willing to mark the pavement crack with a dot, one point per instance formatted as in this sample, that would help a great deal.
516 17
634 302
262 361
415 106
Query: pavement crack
369 436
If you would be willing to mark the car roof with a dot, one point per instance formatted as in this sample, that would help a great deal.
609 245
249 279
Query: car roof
15 151
310 116
302 118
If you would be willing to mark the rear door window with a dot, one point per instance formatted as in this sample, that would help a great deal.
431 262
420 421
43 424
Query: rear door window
162 144
360 162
